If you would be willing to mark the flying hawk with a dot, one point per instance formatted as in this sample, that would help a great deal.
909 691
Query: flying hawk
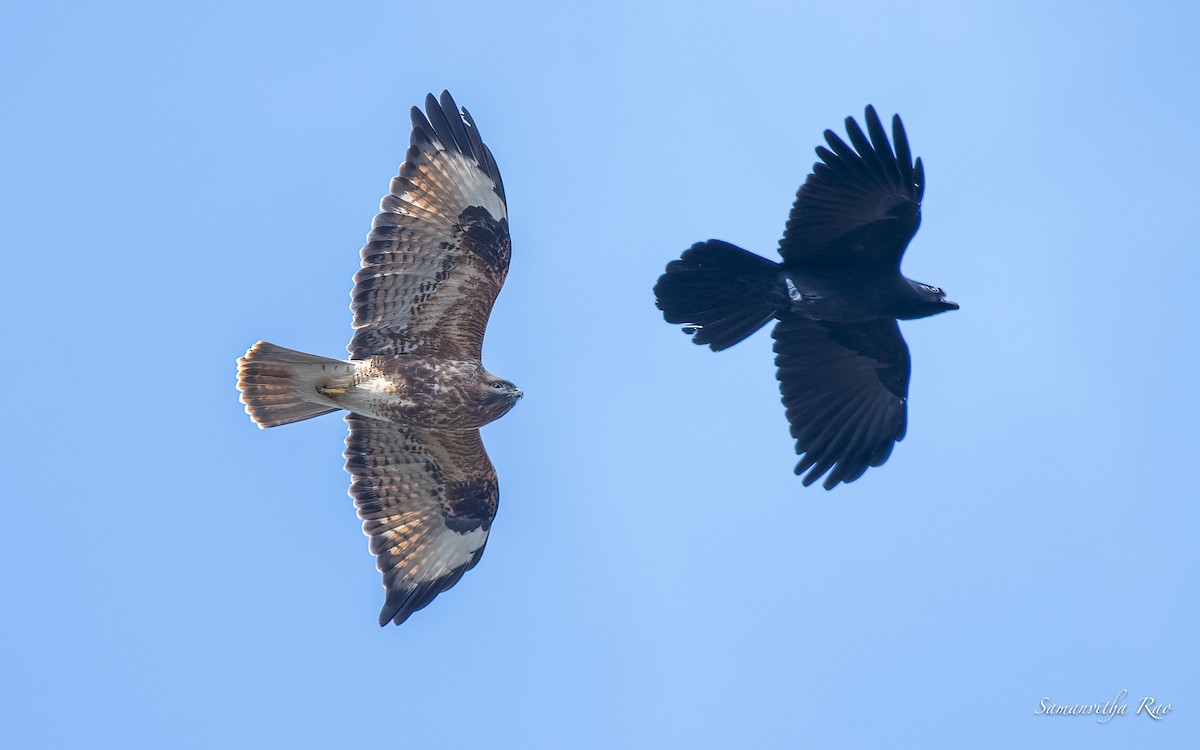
842 365
417 393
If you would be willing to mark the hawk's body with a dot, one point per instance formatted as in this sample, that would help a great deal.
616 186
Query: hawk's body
417 393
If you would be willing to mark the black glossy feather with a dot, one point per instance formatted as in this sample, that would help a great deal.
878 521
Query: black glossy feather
903 155
853 197
845 388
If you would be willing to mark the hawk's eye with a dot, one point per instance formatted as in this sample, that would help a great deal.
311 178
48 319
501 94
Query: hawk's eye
497 385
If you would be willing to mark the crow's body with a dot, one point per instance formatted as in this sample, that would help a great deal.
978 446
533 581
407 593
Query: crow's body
843 367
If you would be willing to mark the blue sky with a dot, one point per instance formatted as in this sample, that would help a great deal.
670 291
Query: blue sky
181 180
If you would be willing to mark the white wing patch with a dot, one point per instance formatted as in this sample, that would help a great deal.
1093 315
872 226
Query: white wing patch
458 181
449 550
477 188
793 292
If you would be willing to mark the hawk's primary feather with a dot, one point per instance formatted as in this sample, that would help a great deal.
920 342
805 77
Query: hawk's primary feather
439 247
427 499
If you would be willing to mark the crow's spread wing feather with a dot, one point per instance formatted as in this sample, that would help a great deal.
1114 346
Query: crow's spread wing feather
845 387
427 499
439 248
862 203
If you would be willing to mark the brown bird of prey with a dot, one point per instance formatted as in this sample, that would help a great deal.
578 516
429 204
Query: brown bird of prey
414 386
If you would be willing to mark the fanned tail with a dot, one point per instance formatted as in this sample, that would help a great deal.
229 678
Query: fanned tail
720 292
280 386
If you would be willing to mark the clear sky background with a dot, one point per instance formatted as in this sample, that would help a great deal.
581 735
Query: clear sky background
180 180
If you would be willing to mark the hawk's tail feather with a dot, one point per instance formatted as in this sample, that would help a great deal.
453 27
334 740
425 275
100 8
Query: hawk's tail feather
720 292
280 386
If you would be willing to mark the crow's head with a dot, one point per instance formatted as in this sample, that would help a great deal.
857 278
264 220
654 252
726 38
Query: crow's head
927 300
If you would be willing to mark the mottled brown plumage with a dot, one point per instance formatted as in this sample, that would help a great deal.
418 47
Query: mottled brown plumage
427 499
417 393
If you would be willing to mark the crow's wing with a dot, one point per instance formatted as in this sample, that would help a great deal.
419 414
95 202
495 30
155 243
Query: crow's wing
845 387
861 203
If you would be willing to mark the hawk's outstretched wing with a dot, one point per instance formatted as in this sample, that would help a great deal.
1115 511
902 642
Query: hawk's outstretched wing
427 499
857 205
845 386
438 250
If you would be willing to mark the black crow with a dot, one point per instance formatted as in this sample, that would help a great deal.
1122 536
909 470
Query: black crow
843 367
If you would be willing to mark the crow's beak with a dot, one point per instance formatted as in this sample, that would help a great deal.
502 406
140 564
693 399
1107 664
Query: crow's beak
950 305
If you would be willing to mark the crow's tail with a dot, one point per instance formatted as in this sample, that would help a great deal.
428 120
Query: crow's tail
720 292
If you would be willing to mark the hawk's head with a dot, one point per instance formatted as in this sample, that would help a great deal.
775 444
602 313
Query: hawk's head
497 395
